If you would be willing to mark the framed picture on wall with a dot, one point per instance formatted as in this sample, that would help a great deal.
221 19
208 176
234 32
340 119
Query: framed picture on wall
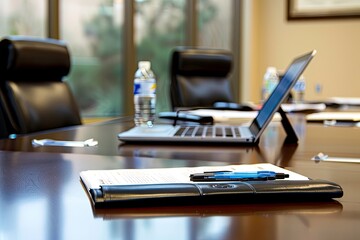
324 9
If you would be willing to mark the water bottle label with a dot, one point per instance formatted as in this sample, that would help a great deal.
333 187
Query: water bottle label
137 88
299 86
143 87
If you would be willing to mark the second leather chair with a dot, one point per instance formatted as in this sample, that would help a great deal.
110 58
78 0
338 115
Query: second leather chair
200 77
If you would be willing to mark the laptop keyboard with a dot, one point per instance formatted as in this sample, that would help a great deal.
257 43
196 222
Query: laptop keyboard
209 131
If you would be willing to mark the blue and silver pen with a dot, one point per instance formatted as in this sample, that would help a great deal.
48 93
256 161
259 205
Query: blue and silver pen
237 176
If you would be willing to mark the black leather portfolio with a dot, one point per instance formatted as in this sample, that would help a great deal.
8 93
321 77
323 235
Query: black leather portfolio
112 188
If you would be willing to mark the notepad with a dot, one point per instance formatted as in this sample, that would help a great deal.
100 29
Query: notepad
164 186
96 178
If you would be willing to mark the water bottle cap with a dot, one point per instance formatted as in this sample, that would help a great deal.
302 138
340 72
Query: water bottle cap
144 64
271 69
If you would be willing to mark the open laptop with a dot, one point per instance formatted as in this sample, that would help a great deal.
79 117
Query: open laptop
227 134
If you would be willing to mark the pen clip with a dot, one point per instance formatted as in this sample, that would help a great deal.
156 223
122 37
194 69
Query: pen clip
224 171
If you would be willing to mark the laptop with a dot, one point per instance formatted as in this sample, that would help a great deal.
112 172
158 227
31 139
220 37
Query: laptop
249 134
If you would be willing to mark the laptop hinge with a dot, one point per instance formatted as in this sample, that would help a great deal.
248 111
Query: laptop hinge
290 132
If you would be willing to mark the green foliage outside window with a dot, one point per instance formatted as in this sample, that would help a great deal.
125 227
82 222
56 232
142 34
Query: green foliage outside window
97 84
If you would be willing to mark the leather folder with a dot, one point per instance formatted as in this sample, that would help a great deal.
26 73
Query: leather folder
213 193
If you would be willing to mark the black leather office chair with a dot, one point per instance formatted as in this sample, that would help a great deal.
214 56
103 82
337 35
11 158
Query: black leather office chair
200 77
4 123
35 97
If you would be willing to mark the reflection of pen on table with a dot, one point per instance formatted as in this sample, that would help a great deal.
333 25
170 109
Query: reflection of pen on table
321 157
341 123
237 176
50 142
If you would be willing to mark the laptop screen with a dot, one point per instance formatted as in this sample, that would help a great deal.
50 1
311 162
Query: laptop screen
280 93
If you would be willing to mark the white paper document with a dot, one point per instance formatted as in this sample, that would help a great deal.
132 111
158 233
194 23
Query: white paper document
96 178
303 107
338 116
344 101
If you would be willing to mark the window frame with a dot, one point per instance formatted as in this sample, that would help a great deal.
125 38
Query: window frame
191 39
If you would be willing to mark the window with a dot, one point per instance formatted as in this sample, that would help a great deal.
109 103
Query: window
23 17
93 31
159 27
215 23
96 32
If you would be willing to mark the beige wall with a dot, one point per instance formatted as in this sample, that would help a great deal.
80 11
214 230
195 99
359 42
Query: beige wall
271 40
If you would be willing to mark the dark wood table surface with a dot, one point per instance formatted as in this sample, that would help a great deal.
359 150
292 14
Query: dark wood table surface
41 196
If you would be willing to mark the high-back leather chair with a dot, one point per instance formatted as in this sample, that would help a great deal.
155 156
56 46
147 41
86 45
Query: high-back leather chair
4 123
35 97
200 77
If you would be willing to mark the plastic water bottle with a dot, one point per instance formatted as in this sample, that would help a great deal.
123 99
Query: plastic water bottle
299 90
271 79
144 95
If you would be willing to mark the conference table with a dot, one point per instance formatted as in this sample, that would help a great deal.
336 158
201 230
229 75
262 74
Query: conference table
41 195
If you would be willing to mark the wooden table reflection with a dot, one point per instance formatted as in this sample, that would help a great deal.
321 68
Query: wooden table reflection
42 197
